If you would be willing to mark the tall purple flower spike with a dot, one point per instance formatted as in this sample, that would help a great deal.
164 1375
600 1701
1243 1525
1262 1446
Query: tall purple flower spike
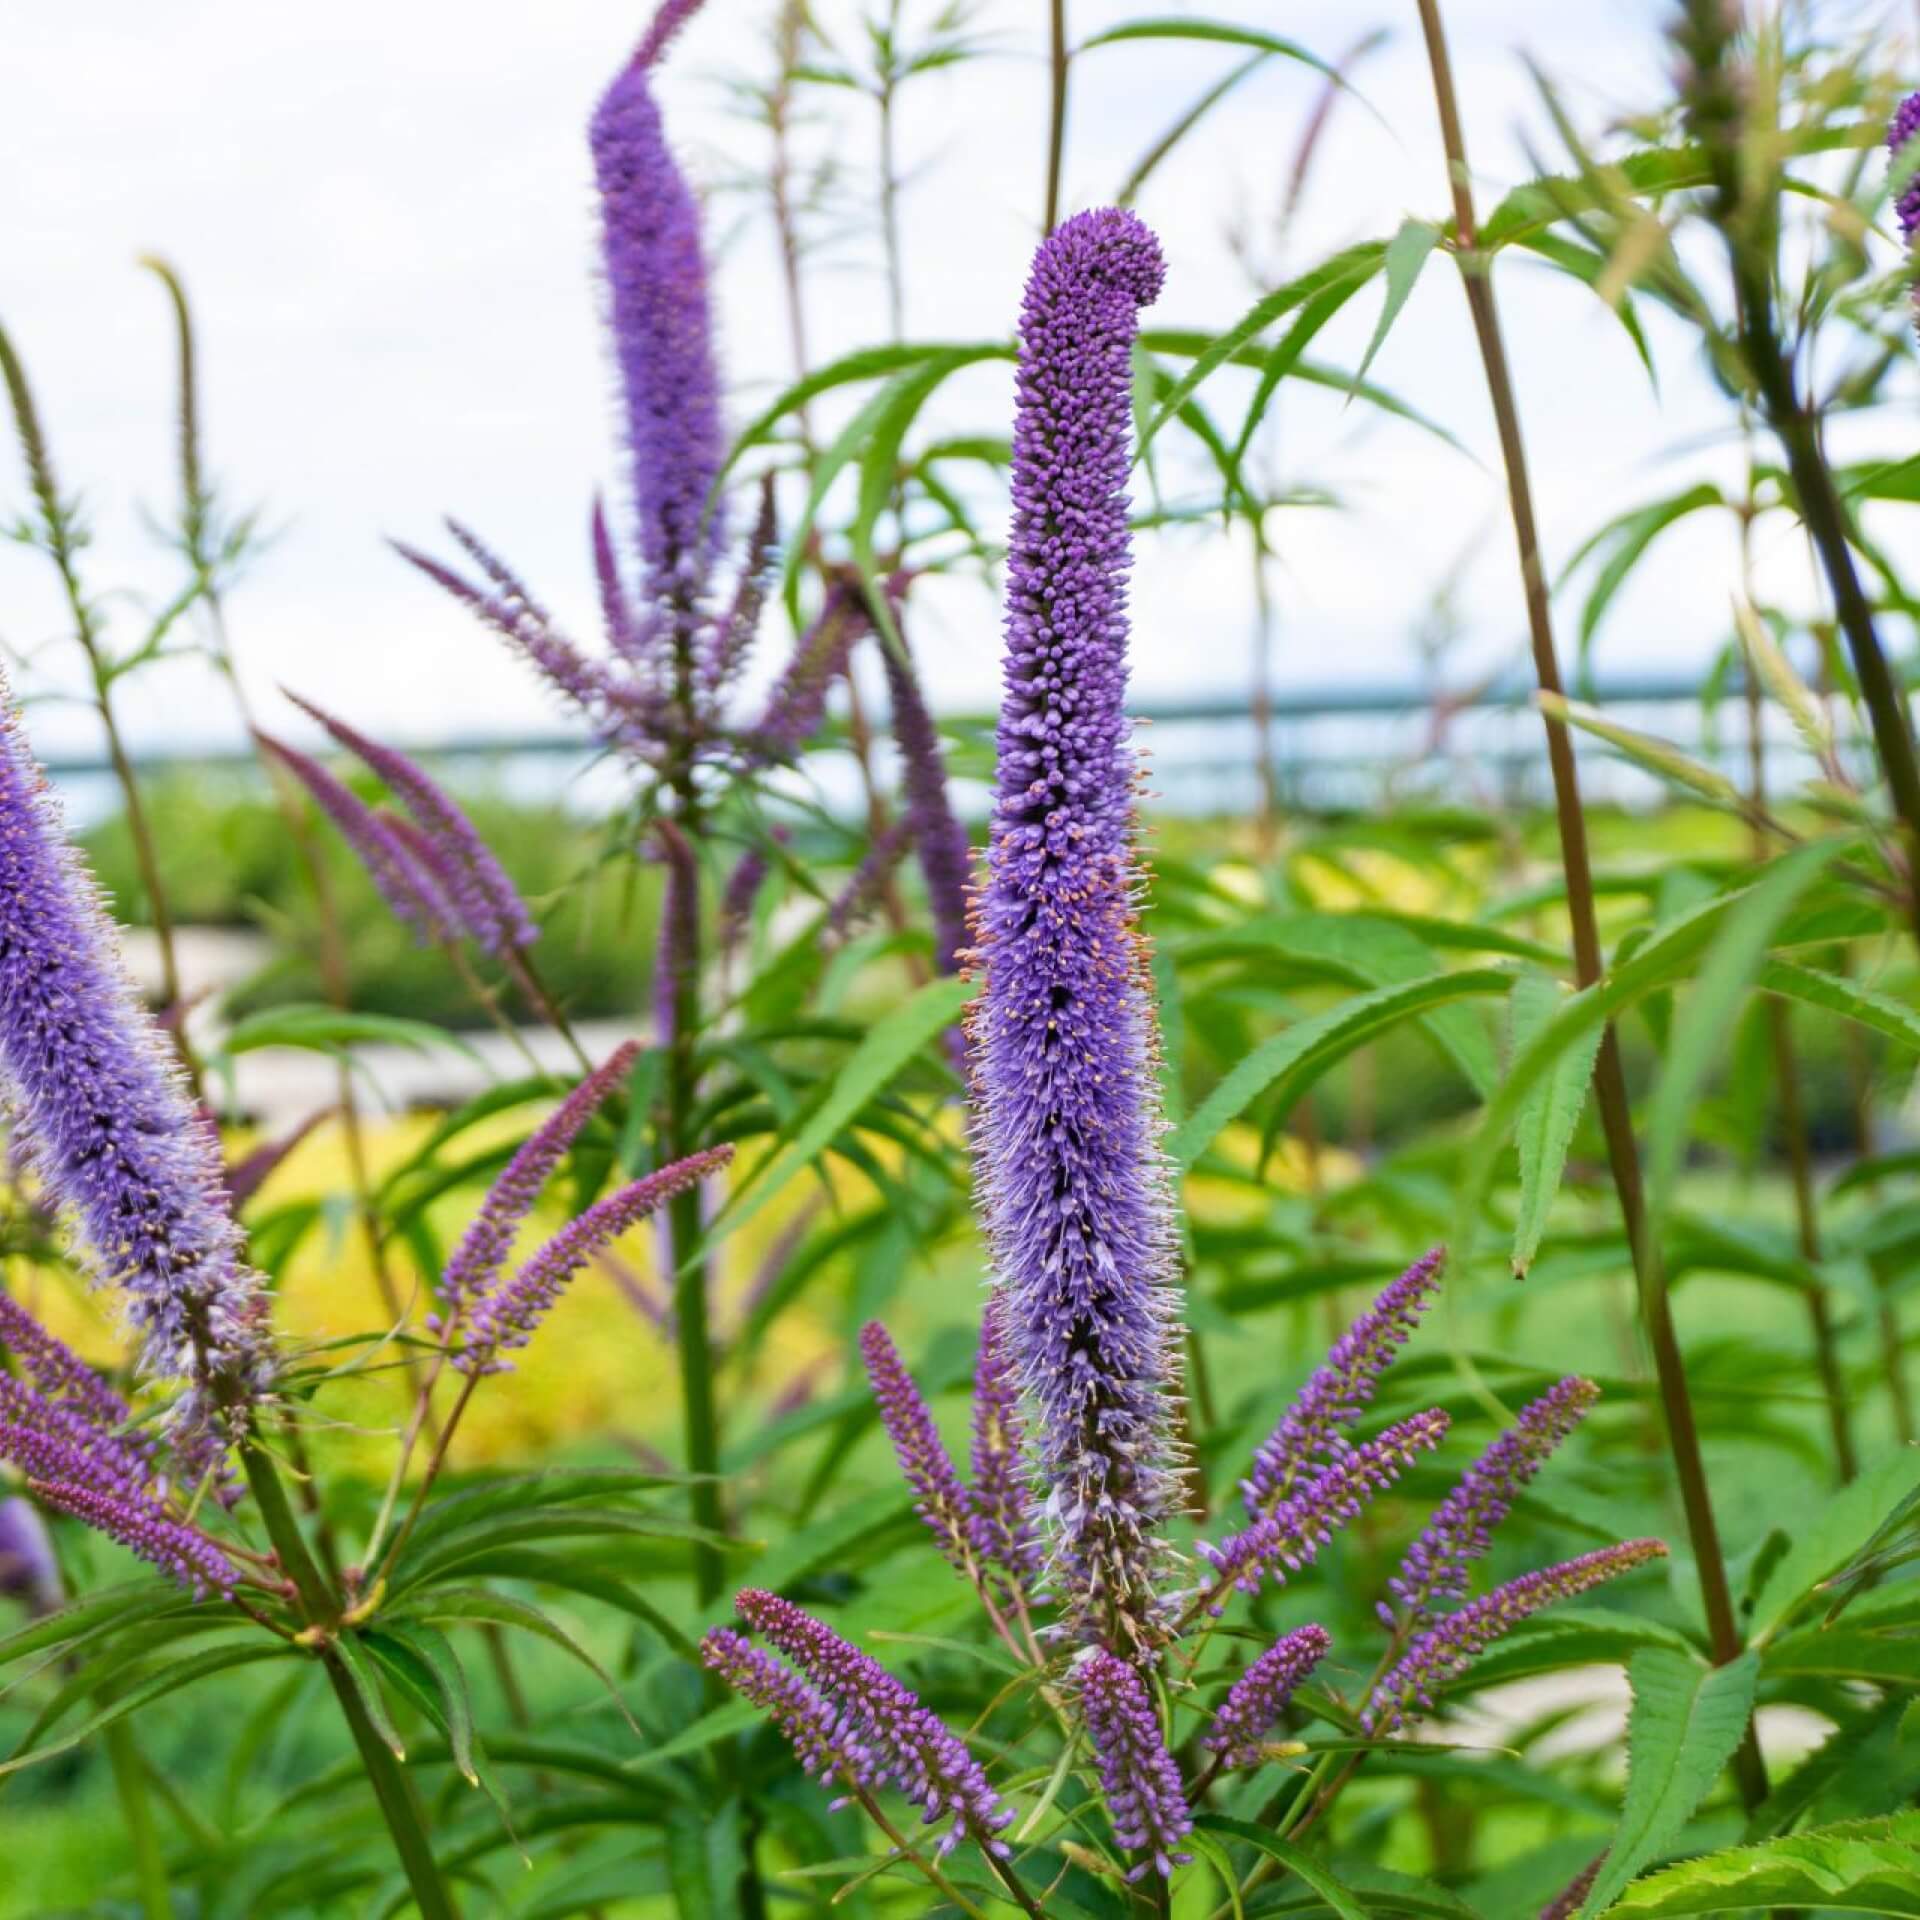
1435 1567
1137 1773
1073 1180
1448 1649
897 1737
946 858
658 308
410 886
482 1250
1341 1391
106 1120
1005 1533
1254 1704
510 1315
477 885
1290 1534
942 1500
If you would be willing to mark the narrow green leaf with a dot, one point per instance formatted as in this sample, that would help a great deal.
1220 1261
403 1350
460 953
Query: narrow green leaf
435 1652
1224 33
1827 1538
1863 1866
1311 1871
1407 253
332 1029
894 1041
1550 1112
1835 994
1303 1051
482 1606
1661 758
366 1683
1686 1721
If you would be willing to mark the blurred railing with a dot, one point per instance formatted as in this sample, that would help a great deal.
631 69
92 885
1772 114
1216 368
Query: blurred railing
1330 749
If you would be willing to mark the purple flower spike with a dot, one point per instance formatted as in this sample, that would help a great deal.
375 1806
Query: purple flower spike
869 879
1005 1534
1460 1531
798 701
1448 1649
626 634
511 1314
484 898
1142 1784
1290 1536
484 1247
1905 155
58 1374
1573 1896
1073 1182
943 1502
1307 1438
662 329
28 1570
143 1528
406 882
104 1118
823 1738
903 1741
946 858
732 638
1253 1707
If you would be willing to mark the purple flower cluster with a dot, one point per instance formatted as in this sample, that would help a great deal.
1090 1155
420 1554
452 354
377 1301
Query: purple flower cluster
1309 1435
657 694
1449 1648
65 1433
824 1738
509 1315
869 879
1905 154
106 1122
446 844
1253 1706
1435 1568
1291 1533
878 1723
28 1570
1072 1178
1137 1773
482 1250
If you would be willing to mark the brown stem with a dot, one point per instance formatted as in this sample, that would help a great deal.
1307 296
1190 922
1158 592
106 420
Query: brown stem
1610 1084
1058 61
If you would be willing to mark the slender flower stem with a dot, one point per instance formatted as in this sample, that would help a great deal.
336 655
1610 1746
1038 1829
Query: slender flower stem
136 1811
1610 1085
907 1851
1058 63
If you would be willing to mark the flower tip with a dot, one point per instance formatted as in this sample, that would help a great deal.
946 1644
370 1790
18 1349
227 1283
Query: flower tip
1115 246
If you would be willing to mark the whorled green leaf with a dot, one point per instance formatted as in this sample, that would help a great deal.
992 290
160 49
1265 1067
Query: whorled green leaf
1826 1533
1687 1719
1862 1866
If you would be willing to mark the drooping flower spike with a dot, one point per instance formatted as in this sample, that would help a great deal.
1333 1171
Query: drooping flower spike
476 885
509 1315
1252 1708
943 1501
1073 1182
1449 1648
106 1121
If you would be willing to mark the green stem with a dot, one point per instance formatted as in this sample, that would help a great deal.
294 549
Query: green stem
406 1824
136 1811
1610 1083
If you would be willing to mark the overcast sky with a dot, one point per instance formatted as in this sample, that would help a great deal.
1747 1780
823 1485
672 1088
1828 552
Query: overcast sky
382 212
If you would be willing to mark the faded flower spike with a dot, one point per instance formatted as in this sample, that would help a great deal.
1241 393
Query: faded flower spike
1341 1391
1449 1648
943 1502
901 1740
1291 1534
1073 1183
105 1119
510 1315
1253 1707
483 1248
1141 1781
487 902
1461 1529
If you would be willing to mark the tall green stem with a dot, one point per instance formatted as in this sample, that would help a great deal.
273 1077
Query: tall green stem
1610 1084
136 1811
